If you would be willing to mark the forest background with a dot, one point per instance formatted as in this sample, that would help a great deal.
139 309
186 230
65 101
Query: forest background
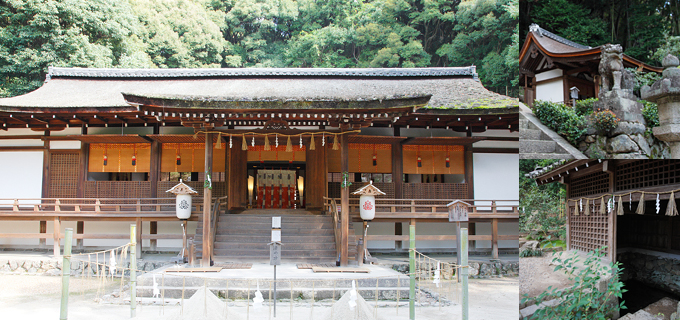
35 34
647 29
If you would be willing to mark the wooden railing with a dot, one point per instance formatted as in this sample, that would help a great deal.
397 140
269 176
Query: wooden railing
433 208
332 209
88 209
215 215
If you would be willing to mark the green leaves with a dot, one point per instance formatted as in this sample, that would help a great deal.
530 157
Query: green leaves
561 118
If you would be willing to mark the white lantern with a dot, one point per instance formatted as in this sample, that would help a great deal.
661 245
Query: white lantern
183 206
183 193
367 207
367 200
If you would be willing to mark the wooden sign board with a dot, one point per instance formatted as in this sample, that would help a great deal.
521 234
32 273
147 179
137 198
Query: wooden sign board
458 211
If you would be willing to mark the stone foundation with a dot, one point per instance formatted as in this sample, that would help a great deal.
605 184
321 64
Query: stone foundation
479 269
52 267
657 269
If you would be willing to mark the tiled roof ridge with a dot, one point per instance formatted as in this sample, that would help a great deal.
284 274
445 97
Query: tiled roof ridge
236 72
542 32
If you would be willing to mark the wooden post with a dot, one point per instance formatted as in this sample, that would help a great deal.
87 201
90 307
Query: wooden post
133 271
494 238
153 229
344 202
138 239
397 180
412 270
80 229
66 274
57 230
207 199
470 181
43 229
155 164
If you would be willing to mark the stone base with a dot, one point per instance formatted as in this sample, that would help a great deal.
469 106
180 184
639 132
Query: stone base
623 103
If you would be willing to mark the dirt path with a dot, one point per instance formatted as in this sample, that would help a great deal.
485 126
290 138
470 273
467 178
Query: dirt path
38 297
536 275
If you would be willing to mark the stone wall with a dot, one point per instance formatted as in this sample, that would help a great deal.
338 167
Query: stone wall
479 269
630 140
52 267
656 269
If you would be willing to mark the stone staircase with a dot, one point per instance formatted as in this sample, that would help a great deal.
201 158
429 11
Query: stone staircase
306 238
536 141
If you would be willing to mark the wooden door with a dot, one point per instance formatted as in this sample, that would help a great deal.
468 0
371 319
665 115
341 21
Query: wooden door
63 173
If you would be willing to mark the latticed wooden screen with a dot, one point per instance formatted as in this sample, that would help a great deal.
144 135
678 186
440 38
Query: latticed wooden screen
386 187
63 174
118 189
650 173
435 191
587 233
593 183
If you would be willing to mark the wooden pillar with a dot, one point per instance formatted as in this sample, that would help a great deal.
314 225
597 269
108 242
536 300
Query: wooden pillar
138 236
397 179
154 177
316 176
565 181
56 233
237 187
470 181
207 199
494 238
45 183
82 180
155 165
565 86
153 229
344 202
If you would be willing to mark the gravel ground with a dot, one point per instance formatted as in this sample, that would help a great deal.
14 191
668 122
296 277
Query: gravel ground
38 297
536 274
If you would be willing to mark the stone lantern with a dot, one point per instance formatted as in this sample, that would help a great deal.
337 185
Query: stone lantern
183 194
367 200
666 93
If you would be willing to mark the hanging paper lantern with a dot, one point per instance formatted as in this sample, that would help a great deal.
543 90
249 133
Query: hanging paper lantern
134 160
375 160
448 162
179 159
420 162
106 159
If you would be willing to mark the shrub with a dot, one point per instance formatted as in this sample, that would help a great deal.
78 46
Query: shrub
585 107
583 300
605 120
560 118
531 253
650 112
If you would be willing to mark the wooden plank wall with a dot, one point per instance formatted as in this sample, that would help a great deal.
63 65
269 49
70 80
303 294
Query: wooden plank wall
315 181
238 180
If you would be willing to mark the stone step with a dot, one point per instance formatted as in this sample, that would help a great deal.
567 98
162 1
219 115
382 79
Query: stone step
531 134
221 231
284 238
286 246
537 146
228 225
284 252
523 124
545 156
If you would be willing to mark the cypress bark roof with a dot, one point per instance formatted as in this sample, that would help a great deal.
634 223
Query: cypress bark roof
103 88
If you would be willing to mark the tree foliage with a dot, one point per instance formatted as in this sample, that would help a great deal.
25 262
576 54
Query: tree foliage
256 33
539 205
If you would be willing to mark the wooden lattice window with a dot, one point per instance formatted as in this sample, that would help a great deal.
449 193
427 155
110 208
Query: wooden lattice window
588 233
648 173
593 183
63 174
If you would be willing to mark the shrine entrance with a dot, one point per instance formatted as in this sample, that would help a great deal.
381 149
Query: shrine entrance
276 185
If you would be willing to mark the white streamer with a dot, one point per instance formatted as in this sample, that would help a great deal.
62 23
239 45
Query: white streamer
353 296
257 301
156 291
112 263
658 204
437 275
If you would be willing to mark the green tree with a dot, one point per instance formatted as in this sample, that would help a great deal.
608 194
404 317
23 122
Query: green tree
539 205
69 33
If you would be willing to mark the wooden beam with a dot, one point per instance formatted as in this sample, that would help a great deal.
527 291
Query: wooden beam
207 199
397 179
155 164
83 160
46 167
469 172
344 203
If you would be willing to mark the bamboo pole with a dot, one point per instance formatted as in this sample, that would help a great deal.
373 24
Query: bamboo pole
464 271
65 274
133 270
412 270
